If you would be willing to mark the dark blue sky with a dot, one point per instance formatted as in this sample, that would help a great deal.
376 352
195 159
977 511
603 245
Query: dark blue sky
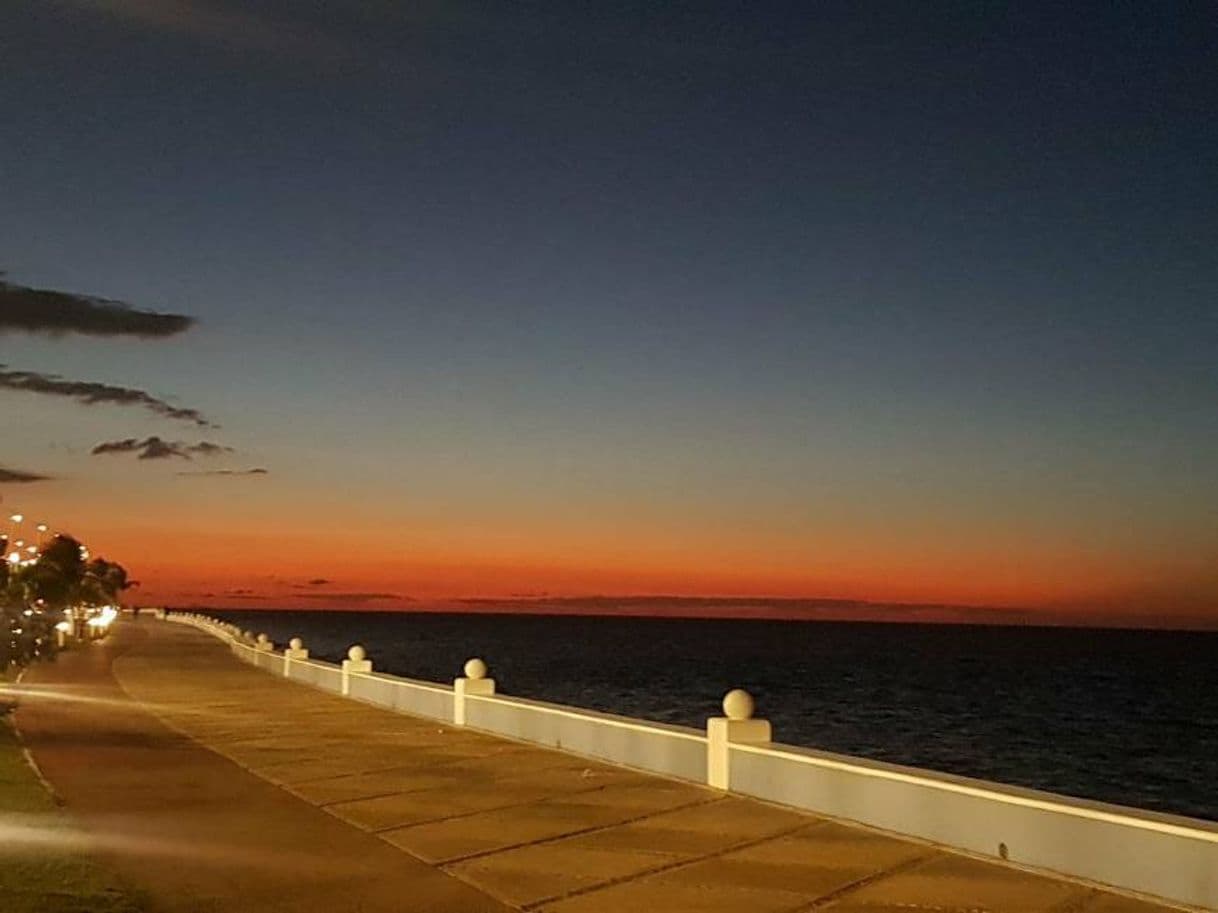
958 258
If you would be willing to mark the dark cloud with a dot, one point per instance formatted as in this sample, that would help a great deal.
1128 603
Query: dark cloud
36 310
243 594
808 608
155 448
16 476
207 448
92 394
258 471
355 597
316 581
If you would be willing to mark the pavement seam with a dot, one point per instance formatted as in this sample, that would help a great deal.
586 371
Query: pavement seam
393 792
355 773
900 868
1078 903
675 865
285 784
358 773
329 805
480 811
578 833
25 751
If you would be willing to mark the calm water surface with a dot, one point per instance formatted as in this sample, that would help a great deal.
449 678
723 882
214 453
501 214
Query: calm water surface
1123 716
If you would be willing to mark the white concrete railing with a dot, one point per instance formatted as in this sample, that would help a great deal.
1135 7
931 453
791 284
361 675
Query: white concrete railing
1164 856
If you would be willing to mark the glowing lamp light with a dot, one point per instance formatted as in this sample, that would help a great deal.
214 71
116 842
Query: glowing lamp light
17 518
103 620
65 626
14 557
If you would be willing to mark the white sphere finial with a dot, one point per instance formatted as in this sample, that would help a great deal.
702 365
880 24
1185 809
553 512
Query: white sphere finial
738 704
356 654
262 638
296 643
248 635
475 669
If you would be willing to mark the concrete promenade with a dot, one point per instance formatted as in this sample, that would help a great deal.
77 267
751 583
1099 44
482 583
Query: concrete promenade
215 787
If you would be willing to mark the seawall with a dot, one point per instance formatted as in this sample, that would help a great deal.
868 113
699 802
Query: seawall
1163 856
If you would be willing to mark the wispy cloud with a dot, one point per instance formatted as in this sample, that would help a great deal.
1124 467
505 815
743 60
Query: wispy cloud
316 581
208 448
258 471
18 477
36 310
355 597
93 394
155 448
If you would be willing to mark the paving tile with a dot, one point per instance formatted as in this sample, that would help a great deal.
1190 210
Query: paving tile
813 863
710 828
645 795
1116 903
830 844
432 805
536 874
646 896
319 768
334 790
441 841
957 883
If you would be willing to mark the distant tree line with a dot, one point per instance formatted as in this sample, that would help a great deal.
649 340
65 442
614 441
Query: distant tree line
59 583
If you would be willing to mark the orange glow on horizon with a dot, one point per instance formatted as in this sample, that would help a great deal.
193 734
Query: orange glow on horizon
264 554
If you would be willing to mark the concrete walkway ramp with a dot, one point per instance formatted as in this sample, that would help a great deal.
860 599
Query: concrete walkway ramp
219 787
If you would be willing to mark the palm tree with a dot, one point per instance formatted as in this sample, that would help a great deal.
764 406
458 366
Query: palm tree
61 578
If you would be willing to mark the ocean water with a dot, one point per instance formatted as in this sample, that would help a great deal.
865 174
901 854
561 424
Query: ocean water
1129 717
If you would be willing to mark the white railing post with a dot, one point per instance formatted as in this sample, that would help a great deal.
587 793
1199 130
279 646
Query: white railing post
475 683
263 644
738 726
296 650
356 661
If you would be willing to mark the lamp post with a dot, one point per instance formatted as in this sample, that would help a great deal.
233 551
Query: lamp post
14 527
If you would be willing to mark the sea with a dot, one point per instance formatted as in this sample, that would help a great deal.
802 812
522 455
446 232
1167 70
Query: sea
1122 716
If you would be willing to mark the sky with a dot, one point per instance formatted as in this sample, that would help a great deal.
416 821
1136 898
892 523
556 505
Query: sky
886 302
